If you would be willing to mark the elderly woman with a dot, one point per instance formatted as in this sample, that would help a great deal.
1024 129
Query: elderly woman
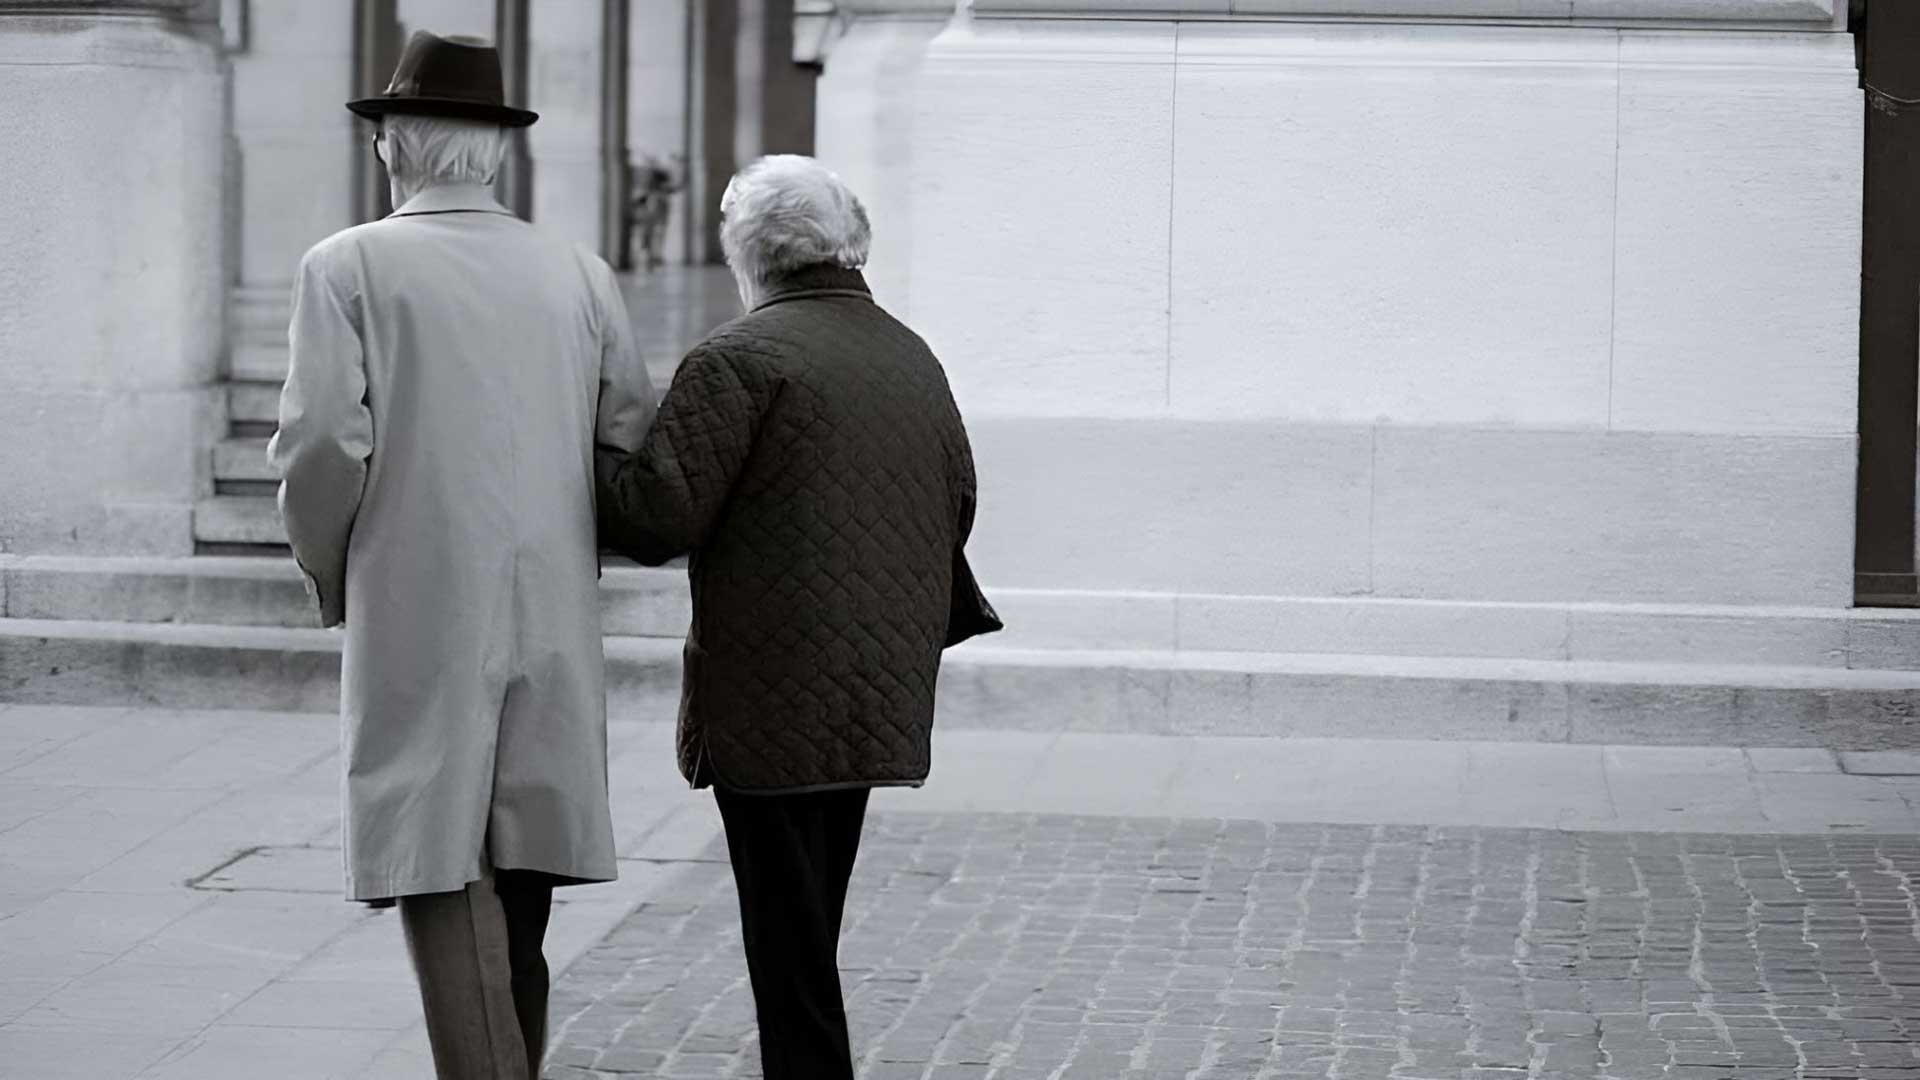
810 458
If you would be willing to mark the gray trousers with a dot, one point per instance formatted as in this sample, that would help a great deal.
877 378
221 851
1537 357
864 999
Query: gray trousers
483 977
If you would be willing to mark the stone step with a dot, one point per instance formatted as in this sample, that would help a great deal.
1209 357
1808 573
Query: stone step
260 363
243 460
199 666
636 601
253 402
238 519
157 589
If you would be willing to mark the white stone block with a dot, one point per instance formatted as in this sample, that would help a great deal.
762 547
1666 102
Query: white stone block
1370 626
865 105
1738 258
1783 639
293 27
301 92
295 190
1811 12
1406 224
474 18
1166 506
566 197
1461 9
113 268
1115 8
1042 159
114 279
1535 515
1052 619
1884 639
154 444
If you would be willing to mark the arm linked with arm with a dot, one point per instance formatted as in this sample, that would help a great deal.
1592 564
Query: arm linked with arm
627 405
664 500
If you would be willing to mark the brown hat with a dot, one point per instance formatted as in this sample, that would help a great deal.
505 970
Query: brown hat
455 77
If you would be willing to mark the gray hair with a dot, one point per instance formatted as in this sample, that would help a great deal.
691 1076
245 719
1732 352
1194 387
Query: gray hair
785 212
426 150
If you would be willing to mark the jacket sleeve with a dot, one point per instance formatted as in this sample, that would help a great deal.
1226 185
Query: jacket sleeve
664 501
965 482
325 436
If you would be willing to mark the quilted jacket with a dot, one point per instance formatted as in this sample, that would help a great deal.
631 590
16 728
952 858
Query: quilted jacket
810 459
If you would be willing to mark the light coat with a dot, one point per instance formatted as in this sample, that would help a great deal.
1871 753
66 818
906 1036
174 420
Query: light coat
452 368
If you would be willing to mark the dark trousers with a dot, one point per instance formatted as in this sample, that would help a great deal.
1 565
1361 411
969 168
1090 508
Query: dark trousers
483 976
792 856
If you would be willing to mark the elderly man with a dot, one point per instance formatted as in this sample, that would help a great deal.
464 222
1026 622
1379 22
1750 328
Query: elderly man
452 369
810 458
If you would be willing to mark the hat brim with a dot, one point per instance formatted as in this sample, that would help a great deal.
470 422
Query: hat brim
374 108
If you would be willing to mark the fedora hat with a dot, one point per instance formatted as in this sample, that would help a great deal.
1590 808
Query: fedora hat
454 77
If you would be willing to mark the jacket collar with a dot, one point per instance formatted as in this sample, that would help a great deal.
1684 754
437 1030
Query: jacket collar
452 199
821 279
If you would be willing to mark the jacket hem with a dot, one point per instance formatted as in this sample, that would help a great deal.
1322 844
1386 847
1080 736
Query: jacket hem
383 893
808 789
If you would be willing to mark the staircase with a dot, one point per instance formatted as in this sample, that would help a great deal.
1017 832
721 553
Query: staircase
241 517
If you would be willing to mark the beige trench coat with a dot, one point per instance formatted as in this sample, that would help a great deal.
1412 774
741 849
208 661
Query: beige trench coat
452 368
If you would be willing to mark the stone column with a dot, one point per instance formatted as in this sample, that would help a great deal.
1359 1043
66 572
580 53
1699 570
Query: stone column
868 95
565 75
658 59
712 94
111 292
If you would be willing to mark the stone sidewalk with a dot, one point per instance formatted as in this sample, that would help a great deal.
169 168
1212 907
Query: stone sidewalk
992 946
169 900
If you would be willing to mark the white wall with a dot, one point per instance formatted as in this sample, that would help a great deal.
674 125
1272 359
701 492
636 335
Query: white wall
1439 311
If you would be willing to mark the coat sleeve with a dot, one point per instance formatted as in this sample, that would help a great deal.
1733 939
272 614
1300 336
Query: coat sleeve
664 501
325 435
627 402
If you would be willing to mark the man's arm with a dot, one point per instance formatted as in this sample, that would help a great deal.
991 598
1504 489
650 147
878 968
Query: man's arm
665 500
627 401
325 436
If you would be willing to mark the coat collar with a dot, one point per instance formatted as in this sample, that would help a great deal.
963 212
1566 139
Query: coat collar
821 279
452 199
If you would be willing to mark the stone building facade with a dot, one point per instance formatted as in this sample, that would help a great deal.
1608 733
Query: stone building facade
1452 330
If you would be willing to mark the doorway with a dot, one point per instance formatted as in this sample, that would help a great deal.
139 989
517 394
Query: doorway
1887 43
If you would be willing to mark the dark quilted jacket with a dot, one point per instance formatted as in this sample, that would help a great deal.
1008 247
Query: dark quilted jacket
810 458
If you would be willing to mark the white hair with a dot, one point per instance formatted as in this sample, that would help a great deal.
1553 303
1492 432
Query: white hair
786 212
425 150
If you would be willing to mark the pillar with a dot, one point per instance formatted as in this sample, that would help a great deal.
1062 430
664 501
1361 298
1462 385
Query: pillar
565 75
712 101
112 289
658 70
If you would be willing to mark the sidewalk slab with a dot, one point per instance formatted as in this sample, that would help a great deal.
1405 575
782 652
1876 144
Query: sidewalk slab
1881 762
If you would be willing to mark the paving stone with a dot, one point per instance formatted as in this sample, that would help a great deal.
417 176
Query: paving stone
1017 947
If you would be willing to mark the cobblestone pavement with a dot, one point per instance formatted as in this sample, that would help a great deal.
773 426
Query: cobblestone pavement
1021 947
